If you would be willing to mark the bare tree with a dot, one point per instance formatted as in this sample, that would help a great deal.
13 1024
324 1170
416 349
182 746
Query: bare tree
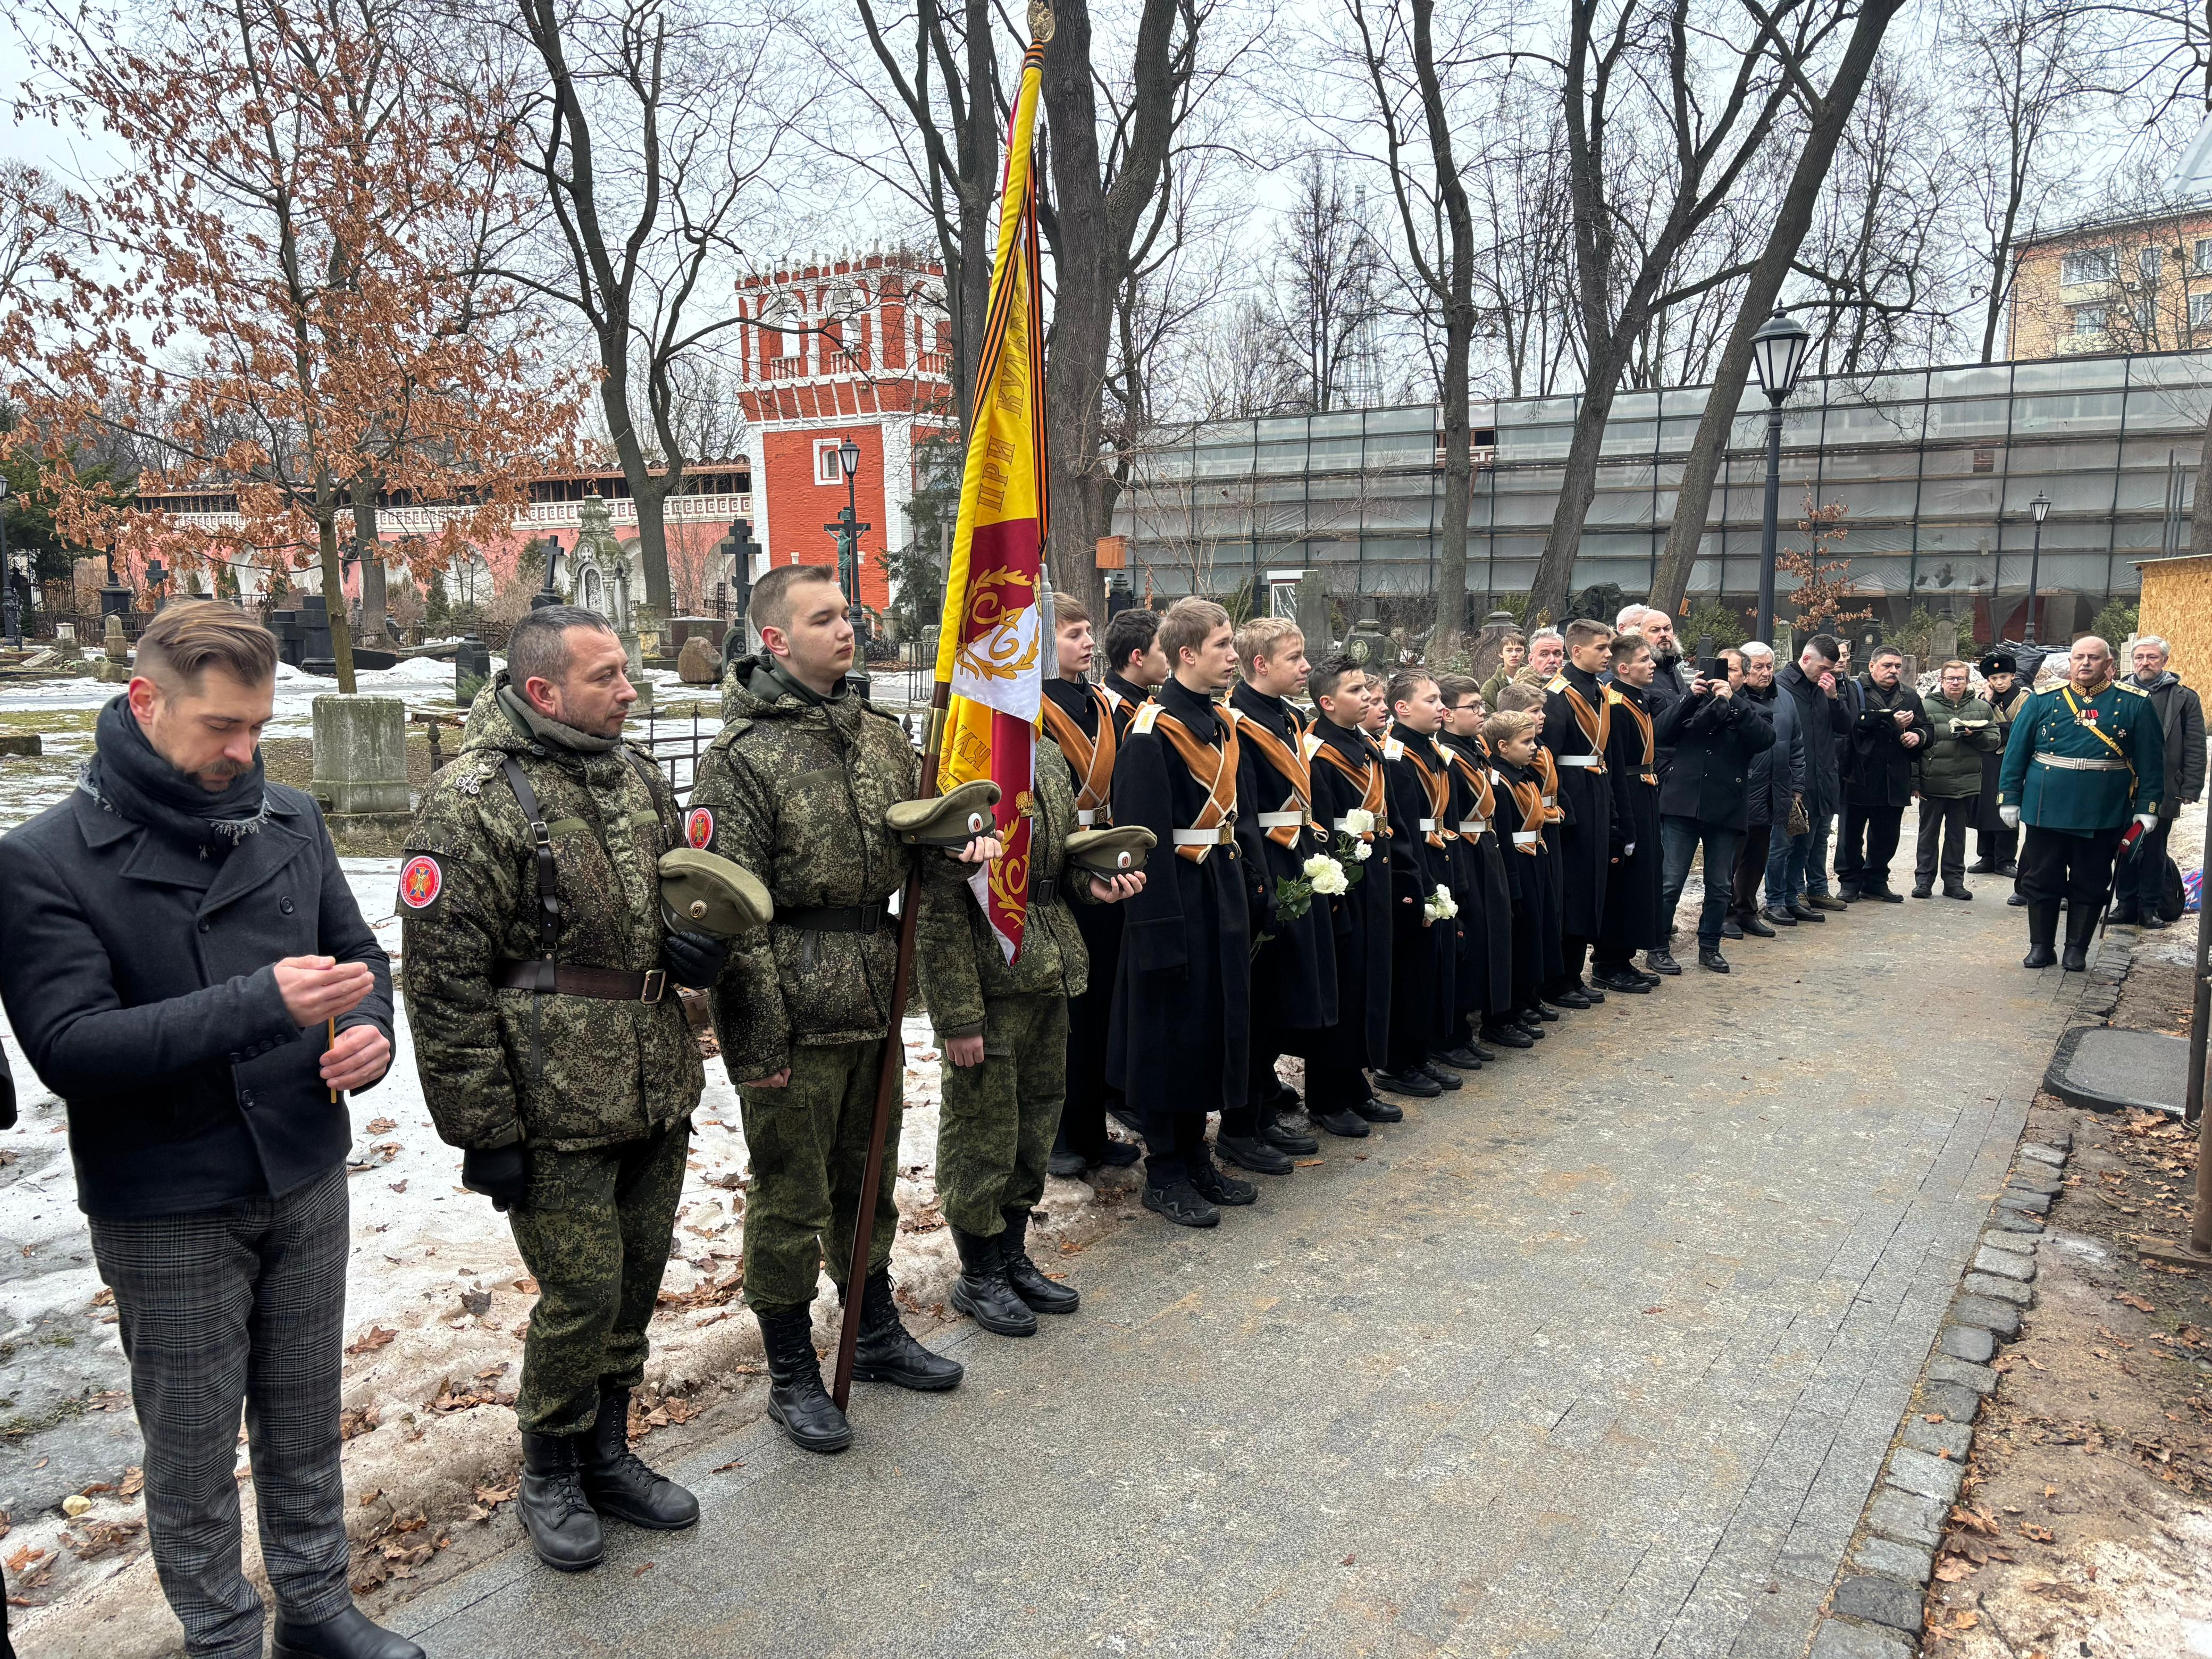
1328 270
1523 292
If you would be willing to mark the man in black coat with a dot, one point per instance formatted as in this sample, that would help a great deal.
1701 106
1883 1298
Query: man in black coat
1705 798
186 968
1294 970
1182 1017
2136 879
1888 735
1776 777
1812 712
1350 801
1633 919
1578 725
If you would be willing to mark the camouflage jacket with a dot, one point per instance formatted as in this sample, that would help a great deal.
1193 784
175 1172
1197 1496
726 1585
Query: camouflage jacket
957 961
795 789
499 1065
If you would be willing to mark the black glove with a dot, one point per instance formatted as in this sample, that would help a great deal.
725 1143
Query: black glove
499 1173
694 961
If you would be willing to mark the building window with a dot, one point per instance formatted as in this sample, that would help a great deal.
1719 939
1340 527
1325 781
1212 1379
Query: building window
2200 311
2086 265
2149 261
2088 319
826 471
2204 255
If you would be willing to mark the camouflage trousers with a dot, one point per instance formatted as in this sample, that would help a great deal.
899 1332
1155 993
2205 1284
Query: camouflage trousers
594 1232
808 1142
997 1125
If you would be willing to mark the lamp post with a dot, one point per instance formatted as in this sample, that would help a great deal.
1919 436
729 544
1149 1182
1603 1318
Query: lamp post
847 527
1778 353
15 617
2039 509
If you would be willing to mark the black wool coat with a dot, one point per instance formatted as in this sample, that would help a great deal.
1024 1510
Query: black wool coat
1422 993
1720 744
1631 919
1586 839
1824 727
1360 919
1294 975
141 980
1182 1017
1532 883
1483 970
1881 766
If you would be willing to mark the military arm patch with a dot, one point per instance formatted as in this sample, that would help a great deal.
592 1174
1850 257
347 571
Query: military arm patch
699 828
422 884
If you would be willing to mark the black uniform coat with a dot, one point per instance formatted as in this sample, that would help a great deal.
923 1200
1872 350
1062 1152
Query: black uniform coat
1881 766
1089 1015
1294 975
1359 919
1421 993
1719 743
1529 882
1586 839
1632 921
1183 1018
1483 970
140 980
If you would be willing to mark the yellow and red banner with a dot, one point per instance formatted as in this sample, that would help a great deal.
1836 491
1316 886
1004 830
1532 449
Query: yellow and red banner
992 648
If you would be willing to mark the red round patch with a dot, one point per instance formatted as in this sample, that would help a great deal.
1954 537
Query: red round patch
421 881
699 828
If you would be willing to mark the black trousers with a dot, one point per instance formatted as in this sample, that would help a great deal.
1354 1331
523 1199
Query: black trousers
1751 868
2060 864
1998 846
1943 836
1870 837
2137 878
1421 1018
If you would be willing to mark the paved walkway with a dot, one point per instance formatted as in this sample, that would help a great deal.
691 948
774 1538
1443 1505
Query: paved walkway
1601 1357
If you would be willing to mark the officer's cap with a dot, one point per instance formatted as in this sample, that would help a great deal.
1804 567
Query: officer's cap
1115 851
1999 662
703 893
952 819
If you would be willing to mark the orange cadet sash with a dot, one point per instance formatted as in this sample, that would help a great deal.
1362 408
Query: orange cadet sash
1437 783
1284 827
1365 776
1216 816
1614 699
1093 762
1478 779
1596 723
1547 773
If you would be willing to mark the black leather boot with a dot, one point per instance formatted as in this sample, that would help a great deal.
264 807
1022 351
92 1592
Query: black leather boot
563 1527
1044 1295
797 1402
887 1350
2081 931
983 1293
349 1635
2042 932
617 1482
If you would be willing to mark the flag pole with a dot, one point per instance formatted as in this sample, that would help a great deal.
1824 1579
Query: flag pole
1010 246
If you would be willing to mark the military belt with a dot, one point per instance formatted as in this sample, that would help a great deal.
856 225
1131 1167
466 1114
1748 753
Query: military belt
1282 820
1581 760
834 918
1088 817
1044 889
1473 826
2080 763
606 984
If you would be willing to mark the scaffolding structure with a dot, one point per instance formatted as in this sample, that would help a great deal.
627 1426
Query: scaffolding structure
1934 469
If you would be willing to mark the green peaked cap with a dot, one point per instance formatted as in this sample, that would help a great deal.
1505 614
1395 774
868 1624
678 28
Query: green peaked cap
952 819
703 893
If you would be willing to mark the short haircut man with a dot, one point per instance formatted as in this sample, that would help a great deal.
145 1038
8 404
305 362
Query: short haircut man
1406 683
1521 694
772 602
538 649
1627 647
1262 636
1824 646
1631 618
182 643
1883 652
1188 624
1130 635
1583 631
1756 650
1542 634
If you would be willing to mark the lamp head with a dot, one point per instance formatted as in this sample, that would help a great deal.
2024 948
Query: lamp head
848 457
2040 506
1778 353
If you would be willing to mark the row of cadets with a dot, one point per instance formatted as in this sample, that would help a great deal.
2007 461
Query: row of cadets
1349 805
1483 971
1294 995
1088 722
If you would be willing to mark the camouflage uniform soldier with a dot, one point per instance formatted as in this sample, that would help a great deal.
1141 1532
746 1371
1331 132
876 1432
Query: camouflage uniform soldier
1003 1027
553 1048
795 790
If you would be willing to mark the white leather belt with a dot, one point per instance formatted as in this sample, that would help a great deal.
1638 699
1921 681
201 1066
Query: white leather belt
1578 760
1086 817
1428 826
1551 800
1527 837
1280 820
2082 763
1473 826
1220 836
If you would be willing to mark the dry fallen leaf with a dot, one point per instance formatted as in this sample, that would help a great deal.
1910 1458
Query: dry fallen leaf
375 1337
2134 1302
2040 1535
381 1125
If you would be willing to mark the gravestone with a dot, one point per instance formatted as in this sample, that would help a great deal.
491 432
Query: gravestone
1943 641
1490 644
316 652
698 663
1314 619
360 757
1368 645
113 667
471 668
634 653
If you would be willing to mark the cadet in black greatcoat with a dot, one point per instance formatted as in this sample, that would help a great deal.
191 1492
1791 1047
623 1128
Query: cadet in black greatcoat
1634 887
1518 826
1526 696
1577 723
1417 782
1183 1012
1294 971
1482 971
1349 803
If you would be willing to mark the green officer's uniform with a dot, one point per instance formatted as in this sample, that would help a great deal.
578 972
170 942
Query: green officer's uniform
590 1065
2078 769
795 789
996 1128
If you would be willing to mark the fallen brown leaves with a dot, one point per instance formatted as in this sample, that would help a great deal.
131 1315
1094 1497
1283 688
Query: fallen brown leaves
477 1391
100 1538
375 1337
359 1420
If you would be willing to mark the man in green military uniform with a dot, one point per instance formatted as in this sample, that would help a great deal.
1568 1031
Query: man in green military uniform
796 789
2083 758
1003 1028
540 985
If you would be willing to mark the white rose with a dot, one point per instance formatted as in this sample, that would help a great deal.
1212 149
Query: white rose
1326 875
1359 822
1362 851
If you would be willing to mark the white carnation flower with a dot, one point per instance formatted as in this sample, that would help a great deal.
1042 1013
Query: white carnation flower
1362 852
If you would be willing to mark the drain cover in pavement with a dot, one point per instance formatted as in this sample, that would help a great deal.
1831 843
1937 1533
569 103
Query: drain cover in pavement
2105 1069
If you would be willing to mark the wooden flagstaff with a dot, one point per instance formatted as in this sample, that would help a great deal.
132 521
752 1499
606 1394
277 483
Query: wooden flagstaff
986 636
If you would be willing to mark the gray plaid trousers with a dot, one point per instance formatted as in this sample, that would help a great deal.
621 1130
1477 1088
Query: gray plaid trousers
245 1304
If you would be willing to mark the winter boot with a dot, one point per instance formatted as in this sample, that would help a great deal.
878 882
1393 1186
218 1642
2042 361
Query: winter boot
1256 1153
983 1293
616 1480
348 1635
797 1401
2080 932
1957 889
887 1352
563 1527
2042 931
1219 1190
1044 1295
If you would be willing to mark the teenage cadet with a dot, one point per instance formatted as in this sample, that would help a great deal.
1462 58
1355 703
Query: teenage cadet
1577 730
1634 882
1424 935
1349 805
1182 1015
1085 722
1294 966
1482 974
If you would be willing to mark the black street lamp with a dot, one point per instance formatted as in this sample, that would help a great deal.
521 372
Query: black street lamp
2039 509
15 617
847 527
1778 353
